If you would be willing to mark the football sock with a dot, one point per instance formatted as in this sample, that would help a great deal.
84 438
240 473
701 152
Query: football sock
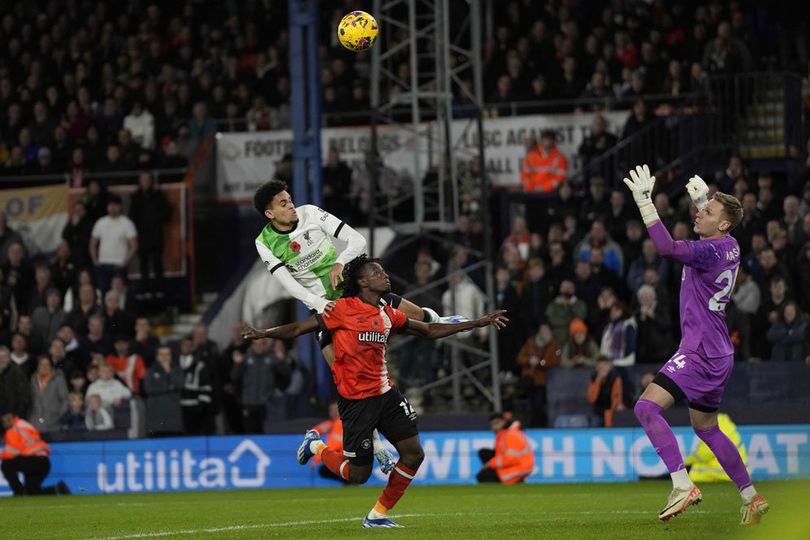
661 436
398 481
681 480
335 462
748 494
317 446
728 456
376 442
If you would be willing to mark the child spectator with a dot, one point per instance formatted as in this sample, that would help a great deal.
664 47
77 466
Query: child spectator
73 420
97 417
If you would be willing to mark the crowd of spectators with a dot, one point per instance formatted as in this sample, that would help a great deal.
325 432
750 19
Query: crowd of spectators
77 351
619 51
90 87
587 290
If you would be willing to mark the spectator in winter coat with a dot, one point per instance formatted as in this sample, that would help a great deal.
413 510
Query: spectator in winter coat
654 327
164 383
196 396
73 420
580 350
254 372
649 259
789 336
77 235
565 308
150 212
605 391
619 337
15 392
49 390
46 321
539 353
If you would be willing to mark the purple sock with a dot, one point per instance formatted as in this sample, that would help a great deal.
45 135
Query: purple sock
659 433
727 454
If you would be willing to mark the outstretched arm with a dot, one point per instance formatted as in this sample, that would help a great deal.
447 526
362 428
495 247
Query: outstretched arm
666 246
641 186
437 331
288 331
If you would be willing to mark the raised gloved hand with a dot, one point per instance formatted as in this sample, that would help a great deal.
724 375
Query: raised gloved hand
698 191
641 186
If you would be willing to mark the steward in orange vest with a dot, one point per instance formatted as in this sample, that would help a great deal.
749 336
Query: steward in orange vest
544 167
25 452
512 460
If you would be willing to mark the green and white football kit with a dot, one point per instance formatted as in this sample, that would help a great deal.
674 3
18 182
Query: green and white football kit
302 258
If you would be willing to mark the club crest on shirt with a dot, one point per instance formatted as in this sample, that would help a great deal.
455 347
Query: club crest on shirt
307 238
295 247
366 444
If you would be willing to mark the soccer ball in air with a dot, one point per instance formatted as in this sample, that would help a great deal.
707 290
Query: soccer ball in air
357 31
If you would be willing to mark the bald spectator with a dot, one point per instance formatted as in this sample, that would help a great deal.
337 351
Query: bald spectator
113 244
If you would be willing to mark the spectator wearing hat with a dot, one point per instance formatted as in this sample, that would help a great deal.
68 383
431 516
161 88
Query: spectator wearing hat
113 243
544 167
580 350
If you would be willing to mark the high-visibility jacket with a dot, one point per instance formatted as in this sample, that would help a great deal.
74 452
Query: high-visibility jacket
333 429
514 458
22 439
704 464
543 171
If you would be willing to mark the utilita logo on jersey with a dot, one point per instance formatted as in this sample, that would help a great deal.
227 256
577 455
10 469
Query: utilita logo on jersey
182 468
372 337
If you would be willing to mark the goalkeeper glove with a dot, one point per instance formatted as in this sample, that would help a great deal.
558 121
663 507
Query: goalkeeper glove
698 191
641 186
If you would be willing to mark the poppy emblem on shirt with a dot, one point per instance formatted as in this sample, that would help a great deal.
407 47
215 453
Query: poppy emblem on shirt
375 323
295 247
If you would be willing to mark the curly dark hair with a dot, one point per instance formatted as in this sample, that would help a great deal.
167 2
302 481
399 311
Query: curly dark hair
352 272
264 195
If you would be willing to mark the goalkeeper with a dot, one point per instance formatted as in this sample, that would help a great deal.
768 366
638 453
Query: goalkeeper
296 246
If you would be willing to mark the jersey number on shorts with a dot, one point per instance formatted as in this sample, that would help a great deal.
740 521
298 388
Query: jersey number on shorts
679 361
407 407
719 300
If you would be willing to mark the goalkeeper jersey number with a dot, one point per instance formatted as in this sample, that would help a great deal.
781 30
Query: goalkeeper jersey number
307 251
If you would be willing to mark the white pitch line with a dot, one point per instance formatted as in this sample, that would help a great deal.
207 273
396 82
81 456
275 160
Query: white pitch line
230 528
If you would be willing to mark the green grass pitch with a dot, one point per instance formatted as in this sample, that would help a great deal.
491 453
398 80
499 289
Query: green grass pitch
598 511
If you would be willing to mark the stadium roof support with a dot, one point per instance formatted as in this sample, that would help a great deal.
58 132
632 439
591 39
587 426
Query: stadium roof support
439 99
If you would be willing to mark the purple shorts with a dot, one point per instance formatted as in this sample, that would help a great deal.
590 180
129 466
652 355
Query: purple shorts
702 380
